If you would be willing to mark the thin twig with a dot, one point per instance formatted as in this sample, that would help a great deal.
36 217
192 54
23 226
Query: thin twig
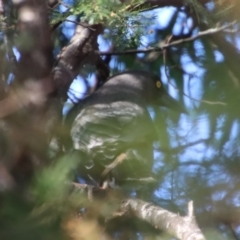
190 209
194 99
174 43
81 24
114 164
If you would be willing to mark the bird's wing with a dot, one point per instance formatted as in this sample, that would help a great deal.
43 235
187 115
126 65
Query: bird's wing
109 129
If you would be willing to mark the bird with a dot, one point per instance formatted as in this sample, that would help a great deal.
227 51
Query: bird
113 131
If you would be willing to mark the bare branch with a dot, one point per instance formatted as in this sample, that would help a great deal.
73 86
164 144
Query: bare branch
190 209
114 164
184 228
172 44
81 50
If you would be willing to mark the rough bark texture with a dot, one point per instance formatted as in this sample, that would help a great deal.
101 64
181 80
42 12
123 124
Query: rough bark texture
184 228
80 51
35 41
26 130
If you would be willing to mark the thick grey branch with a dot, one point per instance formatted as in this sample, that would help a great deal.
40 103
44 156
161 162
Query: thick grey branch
184 228
80 51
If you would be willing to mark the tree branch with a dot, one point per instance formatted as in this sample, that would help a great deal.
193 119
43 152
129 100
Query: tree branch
184 228
171 44
80 51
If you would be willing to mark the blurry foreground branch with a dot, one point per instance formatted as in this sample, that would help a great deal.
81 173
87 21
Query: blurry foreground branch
182 227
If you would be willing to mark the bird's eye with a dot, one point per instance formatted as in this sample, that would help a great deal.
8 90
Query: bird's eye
158 84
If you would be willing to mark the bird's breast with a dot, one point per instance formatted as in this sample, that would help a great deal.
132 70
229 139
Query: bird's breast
108 129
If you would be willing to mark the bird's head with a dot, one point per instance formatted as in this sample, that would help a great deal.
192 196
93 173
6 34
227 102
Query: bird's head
148 87
162 98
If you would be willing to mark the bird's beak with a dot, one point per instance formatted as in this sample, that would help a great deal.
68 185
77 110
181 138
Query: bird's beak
167 101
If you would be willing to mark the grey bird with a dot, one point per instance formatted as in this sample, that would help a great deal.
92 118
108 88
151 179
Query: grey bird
112 129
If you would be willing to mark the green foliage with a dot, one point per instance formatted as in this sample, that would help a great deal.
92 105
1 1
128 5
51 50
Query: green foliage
57 16
210 17
52 183
124 24
126 31
101 11
199 11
